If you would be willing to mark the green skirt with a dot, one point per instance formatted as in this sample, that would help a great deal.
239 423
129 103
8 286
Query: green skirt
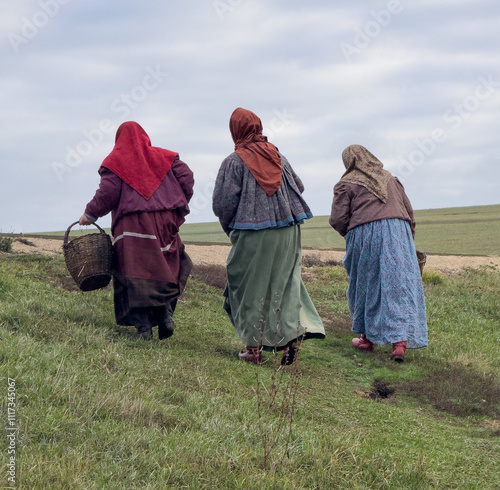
265 297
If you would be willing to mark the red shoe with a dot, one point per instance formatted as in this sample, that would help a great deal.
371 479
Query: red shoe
363 343
398 351
252 354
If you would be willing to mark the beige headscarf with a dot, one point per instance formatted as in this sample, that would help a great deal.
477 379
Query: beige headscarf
365 169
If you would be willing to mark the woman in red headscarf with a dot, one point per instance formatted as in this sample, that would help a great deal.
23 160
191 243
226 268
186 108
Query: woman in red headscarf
147 190
258 200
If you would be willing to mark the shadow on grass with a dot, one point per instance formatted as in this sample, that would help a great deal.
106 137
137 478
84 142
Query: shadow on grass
457 390
68 284
335 324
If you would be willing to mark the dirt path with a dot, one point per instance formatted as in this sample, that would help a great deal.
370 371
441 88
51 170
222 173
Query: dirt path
217 254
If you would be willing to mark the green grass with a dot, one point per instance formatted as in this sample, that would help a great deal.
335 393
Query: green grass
469 230
203 232
461 231
97 408
458 231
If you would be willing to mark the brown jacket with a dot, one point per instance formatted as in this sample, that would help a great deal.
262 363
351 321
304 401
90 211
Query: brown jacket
354 205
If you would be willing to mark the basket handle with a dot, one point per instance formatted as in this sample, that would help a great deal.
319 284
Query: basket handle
66 235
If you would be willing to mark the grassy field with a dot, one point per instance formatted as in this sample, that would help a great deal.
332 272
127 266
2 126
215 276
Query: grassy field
96 408
460 231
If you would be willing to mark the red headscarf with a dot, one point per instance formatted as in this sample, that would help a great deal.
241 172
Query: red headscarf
142 166
261 158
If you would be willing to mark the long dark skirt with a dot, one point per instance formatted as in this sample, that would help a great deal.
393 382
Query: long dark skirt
151 266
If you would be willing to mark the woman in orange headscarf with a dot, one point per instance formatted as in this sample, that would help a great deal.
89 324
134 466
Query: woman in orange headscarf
147 190
258 200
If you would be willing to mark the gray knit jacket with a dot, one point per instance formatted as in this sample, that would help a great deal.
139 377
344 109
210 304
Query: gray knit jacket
240 203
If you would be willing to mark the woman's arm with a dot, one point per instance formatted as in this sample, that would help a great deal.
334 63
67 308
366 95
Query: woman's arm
408 206
295 177
184 176
227 192
341 209
105 199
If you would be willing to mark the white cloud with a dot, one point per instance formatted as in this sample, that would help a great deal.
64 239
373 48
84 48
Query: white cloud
88 63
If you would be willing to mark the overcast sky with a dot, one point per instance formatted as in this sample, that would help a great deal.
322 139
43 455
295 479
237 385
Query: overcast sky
417 82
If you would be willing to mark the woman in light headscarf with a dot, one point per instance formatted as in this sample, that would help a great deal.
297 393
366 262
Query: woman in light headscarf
147 190
258 200
386 298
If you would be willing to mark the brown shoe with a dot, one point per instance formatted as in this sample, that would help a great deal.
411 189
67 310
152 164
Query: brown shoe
398 351
252 354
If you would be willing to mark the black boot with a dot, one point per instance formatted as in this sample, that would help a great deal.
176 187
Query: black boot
166 324
144 332
291 352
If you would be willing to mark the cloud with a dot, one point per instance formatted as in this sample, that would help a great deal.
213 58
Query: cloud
91 65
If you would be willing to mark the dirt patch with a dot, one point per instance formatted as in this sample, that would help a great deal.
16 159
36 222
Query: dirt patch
458 390
217 254
32 245
380 389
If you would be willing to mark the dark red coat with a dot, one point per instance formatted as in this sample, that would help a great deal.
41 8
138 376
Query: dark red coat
117 197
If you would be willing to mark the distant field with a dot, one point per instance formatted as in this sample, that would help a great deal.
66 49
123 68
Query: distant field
203 232
458 231
469 231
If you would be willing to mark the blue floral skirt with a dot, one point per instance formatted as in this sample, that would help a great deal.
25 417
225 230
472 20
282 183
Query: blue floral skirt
385 292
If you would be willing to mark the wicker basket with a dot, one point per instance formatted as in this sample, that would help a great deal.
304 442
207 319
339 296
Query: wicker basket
89 259
422 258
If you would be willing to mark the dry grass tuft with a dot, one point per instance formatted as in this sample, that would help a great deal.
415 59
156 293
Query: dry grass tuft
25 241
211 274
315 260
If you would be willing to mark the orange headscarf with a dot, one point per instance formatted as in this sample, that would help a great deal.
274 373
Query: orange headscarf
262 158
365 169
142 166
